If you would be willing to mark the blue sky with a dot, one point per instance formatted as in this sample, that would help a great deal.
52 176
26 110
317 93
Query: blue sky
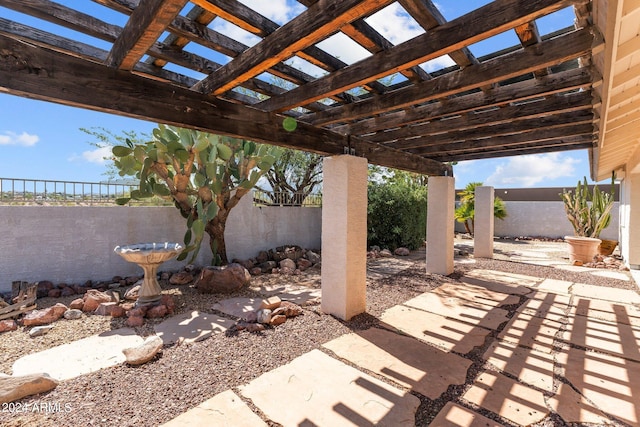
41 140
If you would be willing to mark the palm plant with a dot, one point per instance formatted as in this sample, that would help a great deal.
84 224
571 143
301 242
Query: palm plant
465 213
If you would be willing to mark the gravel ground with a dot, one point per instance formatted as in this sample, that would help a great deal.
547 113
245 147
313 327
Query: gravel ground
186 375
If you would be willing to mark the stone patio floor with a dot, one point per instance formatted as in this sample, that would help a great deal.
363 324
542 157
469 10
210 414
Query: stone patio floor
531 346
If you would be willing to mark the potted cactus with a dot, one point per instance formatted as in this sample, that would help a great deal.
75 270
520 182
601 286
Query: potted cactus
589 212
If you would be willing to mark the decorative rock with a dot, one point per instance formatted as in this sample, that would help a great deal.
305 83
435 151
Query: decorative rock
138 311
128 306
134 321
115 285
288 309
77 304
165 275
44 287
225 279
267 266
167 301
67 291
255 271
278 319
93 298
38 331
115 295
144 352
44 316
288 263
262 257
278 256
255 327
271 303
132 280
264 316
402 252
54 293
385 253
313 257
15 388
251 317
132 294
246 263
118 311
157 311
181 278
8 325
287 270
72 314
303 264
105 308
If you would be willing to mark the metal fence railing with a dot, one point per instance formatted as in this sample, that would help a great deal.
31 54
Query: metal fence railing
270 198
16 191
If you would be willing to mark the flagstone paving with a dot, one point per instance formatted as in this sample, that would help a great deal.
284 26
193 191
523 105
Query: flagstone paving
320 390
454 415
626 314
80 357
191 327
402 359
534 332
223 410
477 294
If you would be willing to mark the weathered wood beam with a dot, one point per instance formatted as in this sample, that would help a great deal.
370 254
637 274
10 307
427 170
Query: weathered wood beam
550 146
316 23
429 17
530 137
492 19
518 63
510 114
37 73
516 92
145 25
494 131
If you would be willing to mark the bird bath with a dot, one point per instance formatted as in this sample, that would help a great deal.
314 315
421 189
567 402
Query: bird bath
149 256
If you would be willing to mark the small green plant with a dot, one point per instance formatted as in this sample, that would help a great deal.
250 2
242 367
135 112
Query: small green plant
589 212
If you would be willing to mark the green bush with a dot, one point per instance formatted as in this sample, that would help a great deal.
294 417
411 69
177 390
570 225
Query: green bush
396 215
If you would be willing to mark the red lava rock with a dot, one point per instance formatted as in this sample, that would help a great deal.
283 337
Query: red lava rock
157 311
303 264
54 293
278 319
138 311
134 321
67 291
128 306
77 304
118 311
181 278
44 316
131 280
105 308
93 298
8 325
44 286
255 271
167 301
288 309
255 327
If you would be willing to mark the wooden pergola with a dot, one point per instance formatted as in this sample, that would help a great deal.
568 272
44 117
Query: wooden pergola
535 97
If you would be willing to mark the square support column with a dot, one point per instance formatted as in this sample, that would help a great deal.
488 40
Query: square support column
344 236
440 224
483 223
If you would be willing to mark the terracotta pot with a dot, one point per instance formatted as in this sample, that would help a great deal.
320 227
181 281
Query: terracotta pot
582 249
607 247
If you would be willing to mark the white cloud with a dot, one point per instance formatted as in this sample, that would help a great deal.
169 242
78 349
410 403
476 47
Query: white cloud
24 139
97 155
343 48
395 24
235 32
280 11
527 171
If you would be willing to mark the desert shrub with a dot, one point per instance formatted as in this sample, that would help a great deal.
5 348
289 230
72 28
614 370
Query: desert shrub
396 214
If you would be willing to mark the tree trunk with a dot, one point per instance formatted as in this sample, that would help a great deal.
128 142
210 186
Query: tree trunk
215 230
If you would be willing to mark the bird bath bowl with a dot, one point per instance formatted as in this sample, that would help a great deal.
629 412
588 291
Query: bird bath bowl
149 256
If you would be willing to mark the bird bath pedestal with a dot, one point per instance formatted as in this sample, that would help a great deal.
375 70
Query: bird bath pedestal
149 256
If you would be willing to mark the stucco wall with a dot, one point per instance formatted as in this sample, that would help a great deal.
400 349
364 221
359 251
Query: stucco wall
74 244
542 219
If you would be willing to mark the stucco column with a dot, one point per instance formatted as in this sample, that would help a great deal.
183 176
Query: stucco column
344 236
633 225
483 223
440 224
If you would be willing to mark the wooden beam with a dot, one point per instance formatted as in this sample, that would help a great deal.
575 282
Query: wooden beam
315 24
29 71
495 131
518 63
516 92
548 147
531 137
492 19
145 25
531 110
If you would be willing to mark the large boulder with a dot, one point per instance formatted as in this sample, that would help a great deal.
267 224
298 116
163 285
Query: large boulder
14 388
225 279
44 316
